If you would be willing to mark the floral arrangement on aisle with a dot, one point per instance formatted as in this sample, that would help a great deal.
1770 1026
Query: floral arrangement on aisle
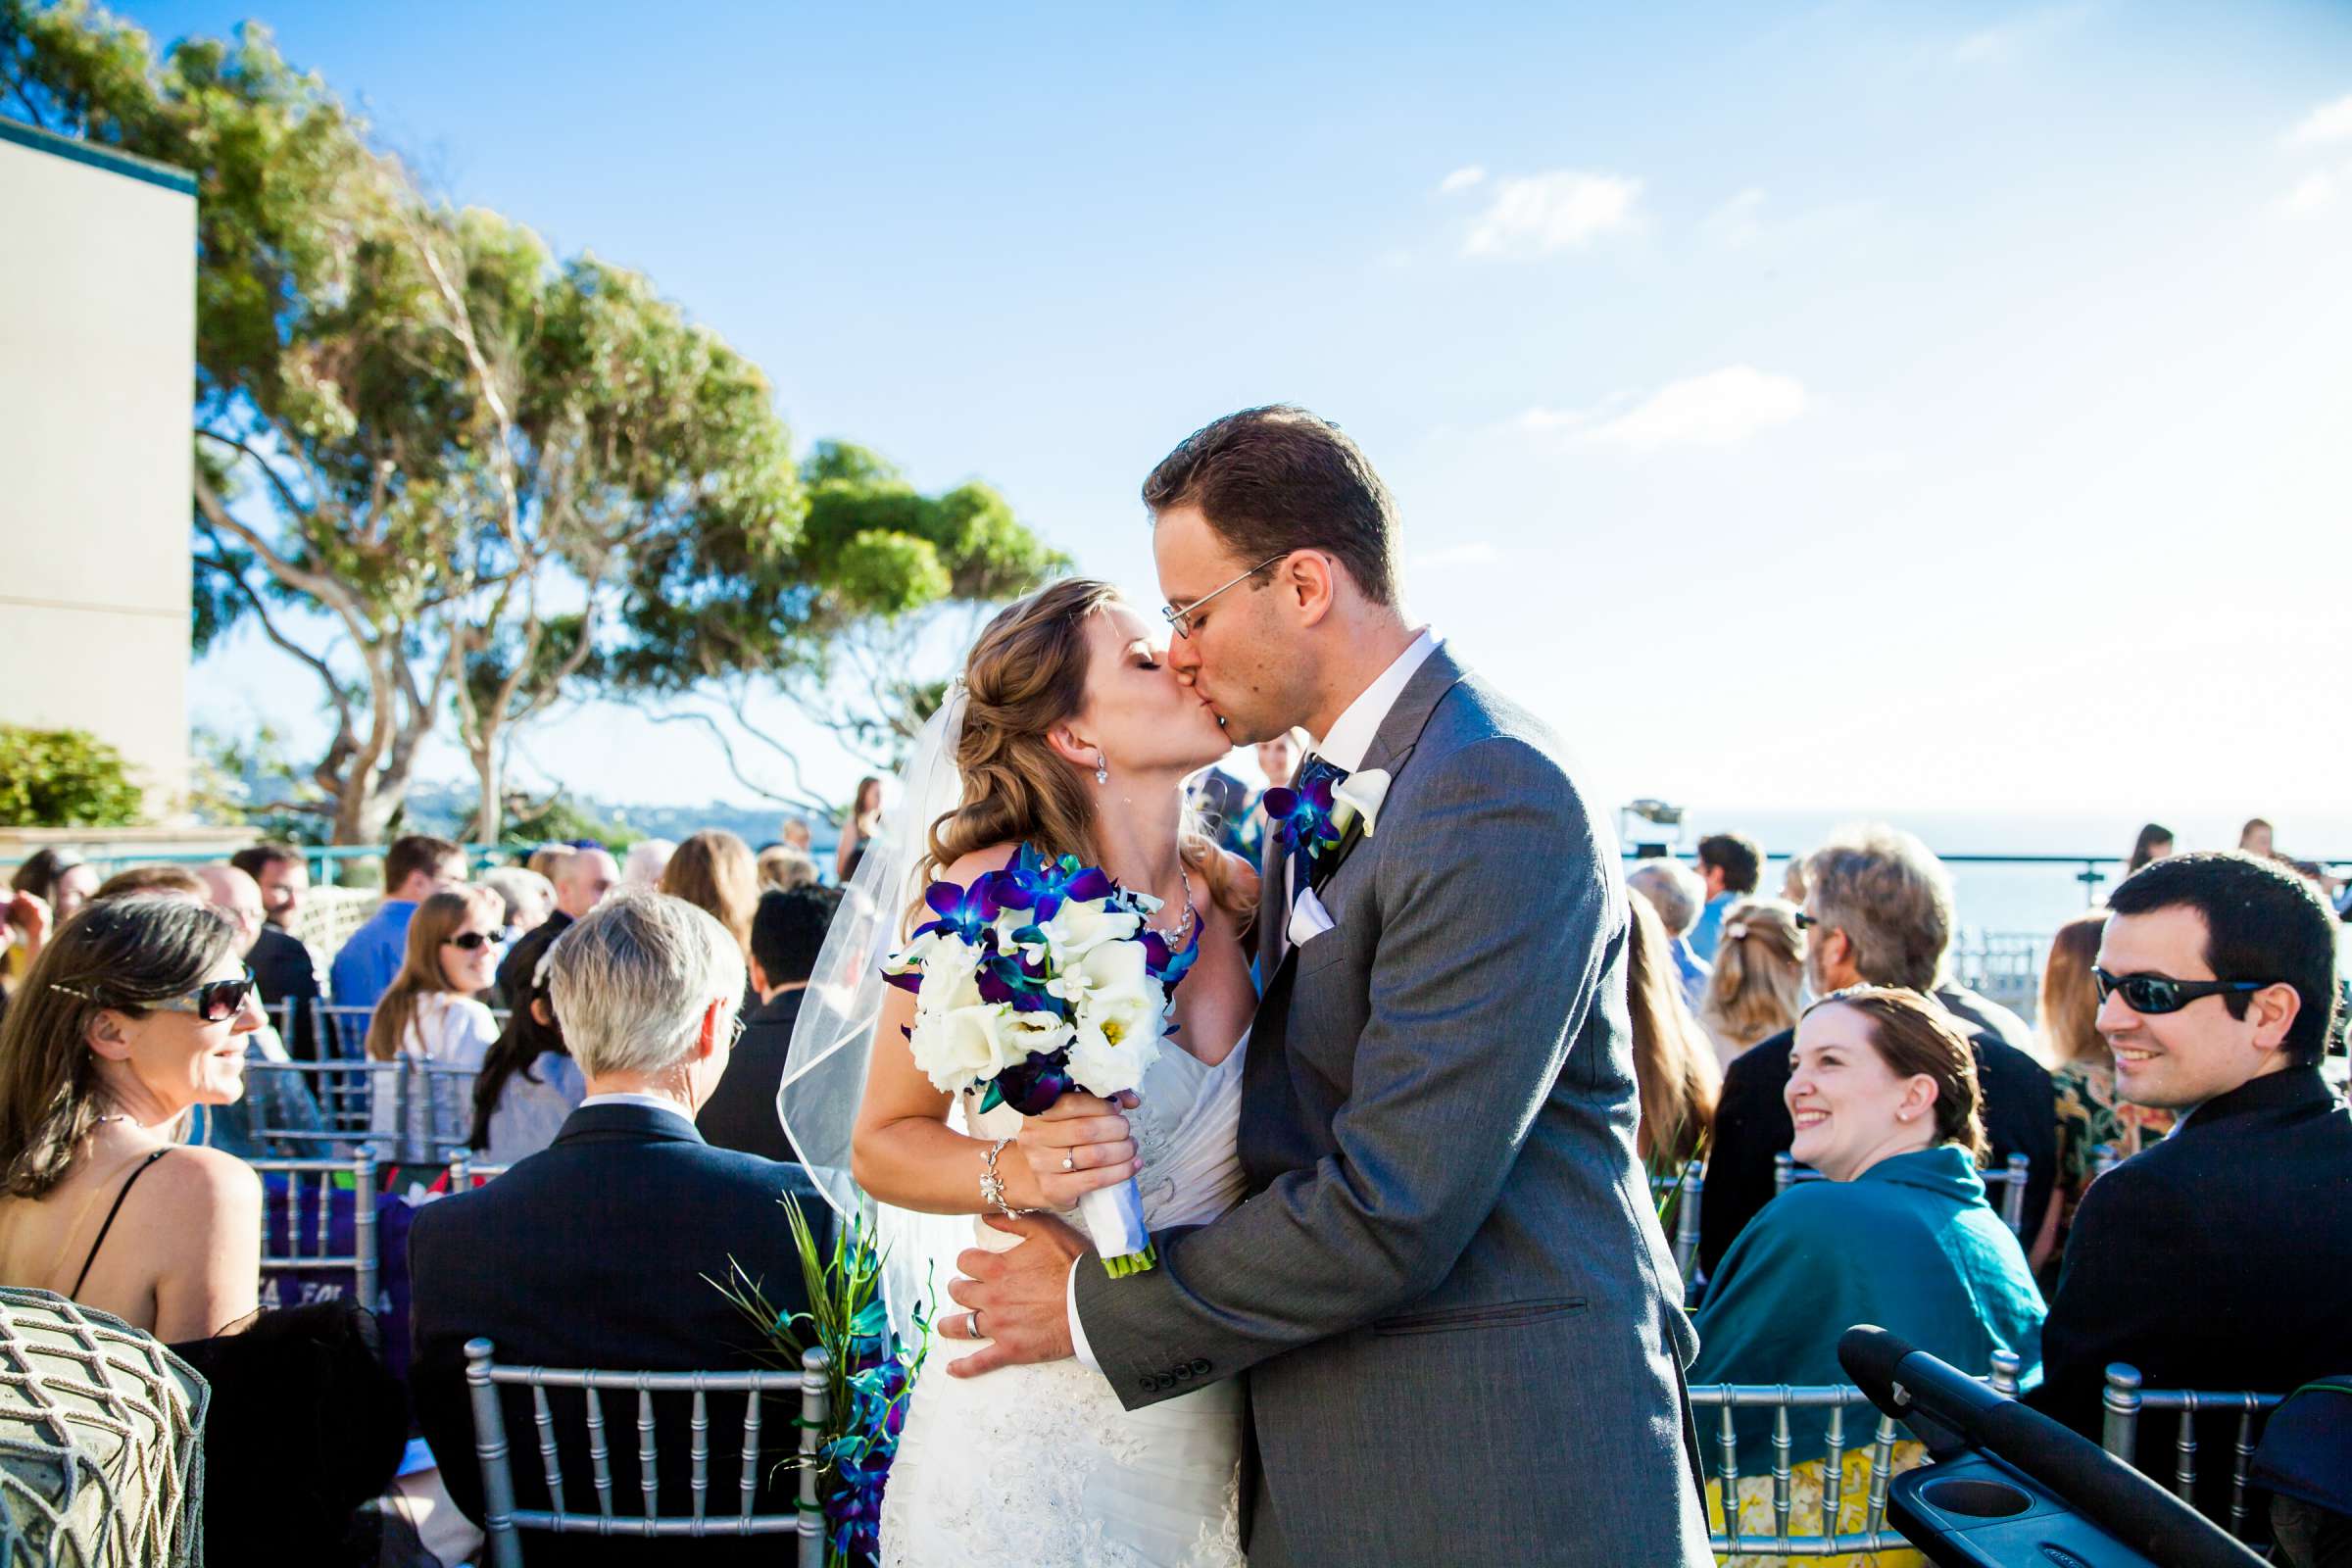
872 1373
1036 980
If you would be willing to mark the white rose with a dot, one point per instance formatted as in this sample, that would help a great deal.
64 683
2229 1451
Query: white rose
1031 1034
959 1049
951 971
1078 928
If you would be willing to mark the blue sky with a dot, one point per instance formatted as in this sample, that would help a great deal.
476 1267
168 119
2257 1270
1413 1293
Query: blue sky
1880 407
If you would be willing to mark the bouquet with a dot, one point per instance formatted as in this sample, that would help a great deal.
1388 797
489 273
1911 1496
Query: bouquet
1037 980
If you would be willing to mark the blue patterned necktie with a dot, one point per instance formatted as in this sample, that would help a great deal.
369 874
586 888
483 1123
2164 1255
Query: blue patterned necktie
1314 771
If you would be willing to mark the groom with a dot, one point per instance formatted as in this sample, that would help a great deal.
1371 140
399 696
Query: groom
1448 1288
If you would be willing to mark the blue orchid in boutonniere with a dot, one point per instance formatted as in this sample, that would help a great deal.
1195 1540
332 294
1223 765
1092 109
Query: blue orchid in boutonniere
1314 814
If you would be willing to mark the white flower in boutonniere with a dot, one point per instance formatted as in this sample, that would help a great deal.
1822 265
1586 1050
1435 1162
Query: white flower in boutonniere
1362 794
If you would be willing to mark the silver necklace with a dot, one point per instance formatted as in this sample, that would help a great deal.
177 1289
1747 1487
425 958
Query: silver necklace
1184 927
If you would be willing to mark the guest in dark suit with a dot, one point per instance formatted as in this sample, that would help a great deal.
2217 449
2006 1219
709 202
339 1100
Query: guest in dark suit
284 968
2217 1258
1877 911
787 931
582 882
599 1250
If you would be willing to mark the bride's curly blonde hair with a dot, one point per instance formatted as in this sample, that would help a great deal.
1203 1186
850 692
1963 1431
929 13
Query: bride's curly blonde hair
1025 674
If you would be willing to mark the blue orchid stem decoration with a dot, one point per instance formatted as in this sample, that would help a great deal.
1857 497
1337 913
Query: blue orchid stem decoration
872 1374
1305 814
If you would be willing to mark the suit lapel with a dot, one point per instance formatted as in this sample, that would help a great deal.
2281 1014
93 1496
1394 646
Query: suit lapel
1398 733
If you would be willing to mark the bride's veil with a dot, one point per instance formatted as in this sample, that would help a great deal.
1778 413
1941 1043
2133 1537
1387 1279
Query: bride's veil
833 1038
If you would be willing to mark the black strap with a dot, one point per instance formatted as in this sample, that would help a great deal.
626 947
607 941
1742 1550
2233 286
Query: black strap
137 1171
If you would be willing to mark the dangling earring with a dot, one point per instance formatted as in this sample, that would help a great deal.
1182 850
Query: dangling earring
1101 770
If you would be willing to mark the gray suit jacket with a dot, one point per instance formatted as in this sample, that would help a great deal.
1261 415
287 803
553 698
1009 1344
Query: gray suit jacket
1458 1316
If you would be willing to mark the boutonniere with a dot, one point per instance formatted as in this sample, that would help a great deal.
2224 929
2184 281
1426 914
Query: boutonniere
1315 814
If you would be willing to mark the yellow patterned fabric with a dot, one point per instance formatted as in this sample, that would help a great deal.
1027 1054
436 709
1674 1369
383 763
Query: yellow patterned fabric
1804 1511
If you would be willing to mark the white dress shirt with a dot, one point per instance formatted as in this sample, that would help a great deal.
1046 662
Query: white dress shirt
1352 735
633 1097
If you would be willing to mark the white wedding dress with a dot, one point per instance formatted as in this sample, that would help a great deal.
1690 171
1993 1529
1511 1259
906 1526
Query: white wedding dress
1039 1467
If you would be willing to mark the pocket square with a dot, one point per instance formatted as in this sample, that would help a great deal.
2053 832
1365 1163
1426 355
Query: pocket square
1308 918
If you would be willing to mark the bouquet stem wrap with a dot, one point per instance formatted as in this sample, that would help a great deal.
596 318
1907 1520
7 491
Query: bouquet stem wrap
1115 1223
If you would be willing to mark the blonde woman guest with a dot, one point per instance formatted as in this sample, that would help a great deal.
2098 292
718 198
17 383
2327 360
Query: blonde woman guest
2083 1071
431 1014
714 870
1672 1067
783 868
1759 973
864 821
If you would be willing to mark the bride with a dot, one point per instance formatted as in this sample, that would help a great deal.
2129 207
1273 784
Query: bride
1071 734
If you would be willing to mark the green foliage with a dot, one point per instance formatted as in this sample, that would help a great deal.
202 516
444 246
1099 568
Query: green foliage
561 821
64 778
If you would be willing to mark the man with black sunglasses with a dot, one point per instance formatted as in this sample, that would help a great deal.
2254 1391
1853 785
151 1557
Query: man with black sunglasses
2217 1259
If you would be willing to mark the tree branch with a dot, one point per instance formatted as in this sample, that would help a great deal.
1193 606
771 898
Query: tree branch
804 801
261 613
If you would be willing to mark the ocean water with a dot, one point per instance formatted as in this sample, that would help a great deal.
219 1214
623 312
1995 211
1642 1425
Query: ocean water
2007 899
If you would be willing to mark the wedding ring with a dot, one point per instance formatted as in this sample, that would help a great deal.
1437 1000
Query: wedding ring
1069 1162
971 1324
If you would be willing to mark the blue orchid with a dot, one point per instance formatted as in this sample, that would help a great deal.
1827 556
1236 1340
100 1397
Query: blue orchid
966 912
1040 886
1304 815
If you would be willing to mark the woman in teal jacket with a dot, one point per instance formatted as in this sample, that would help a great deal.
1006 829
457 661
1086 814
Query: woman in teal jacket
1884 1097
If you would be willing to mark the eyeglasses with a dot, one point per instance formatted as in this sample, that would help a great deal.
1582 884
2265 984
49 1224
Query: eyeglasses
2156 993
215 1002
1806 922
471 939
1182 619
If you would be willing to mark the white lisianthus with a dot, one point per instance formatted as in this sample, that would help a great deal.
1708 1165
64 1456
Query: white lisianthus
1119 1011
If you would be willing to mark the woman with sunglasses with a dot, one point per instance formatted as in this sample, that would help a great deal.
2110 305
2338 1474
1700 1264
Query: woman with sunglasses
429 1015
137 1009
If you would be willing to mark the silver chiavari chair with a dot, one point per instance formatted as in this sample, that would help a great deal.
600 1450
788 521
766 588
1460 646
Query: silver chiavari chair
342 1031
501 1519
309 1231
2124 1402
464 1170
1836 1399
1690 1185
343 1093
2010 1178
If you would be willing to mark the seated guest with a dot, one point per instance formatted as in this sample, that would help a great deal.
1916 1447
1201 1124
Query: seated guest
797 836
528 896
161 877
283 964
1674 891
547 860
1672 1066
429 1015
787 932
59 884
415 867
2155 843
2257 838
2088 1113
529 1085
271 1099
582 881
1759 970
783 868
1730 865
1884 1093
641 869
714 871
2216 1260
134 1015
627 1217
1878 911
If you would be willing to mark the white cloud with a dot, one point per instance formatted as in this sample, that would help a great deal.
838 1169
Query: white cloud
1535 215
1479 554
1461 180
1720 409
2313 195
2326 123
2003 42
1734 224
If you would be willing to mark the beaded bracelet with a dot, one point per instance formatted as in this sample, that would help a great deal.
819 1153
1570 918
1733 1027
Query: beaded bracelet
992 1185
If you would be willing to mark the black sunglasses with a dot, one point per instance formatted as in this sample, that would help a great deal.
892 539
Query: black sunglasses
2156 993
1806 922
215 1002
471 939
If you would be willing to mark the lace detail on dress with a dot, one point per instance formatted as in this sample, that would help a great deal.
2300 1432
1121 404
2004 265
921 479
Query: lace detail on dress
1041 1466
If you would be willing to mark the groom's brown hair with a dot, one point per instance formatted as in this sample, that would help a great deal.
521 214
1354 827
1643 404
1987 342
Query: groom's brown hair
1275 480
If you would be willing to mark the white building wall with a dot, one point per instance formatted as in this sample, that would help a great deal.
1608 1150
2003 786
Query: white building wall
97 379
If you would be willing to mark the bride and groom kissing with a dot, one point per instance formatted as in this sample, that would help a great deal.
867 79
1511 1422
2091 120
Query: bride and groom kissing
1411 1301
